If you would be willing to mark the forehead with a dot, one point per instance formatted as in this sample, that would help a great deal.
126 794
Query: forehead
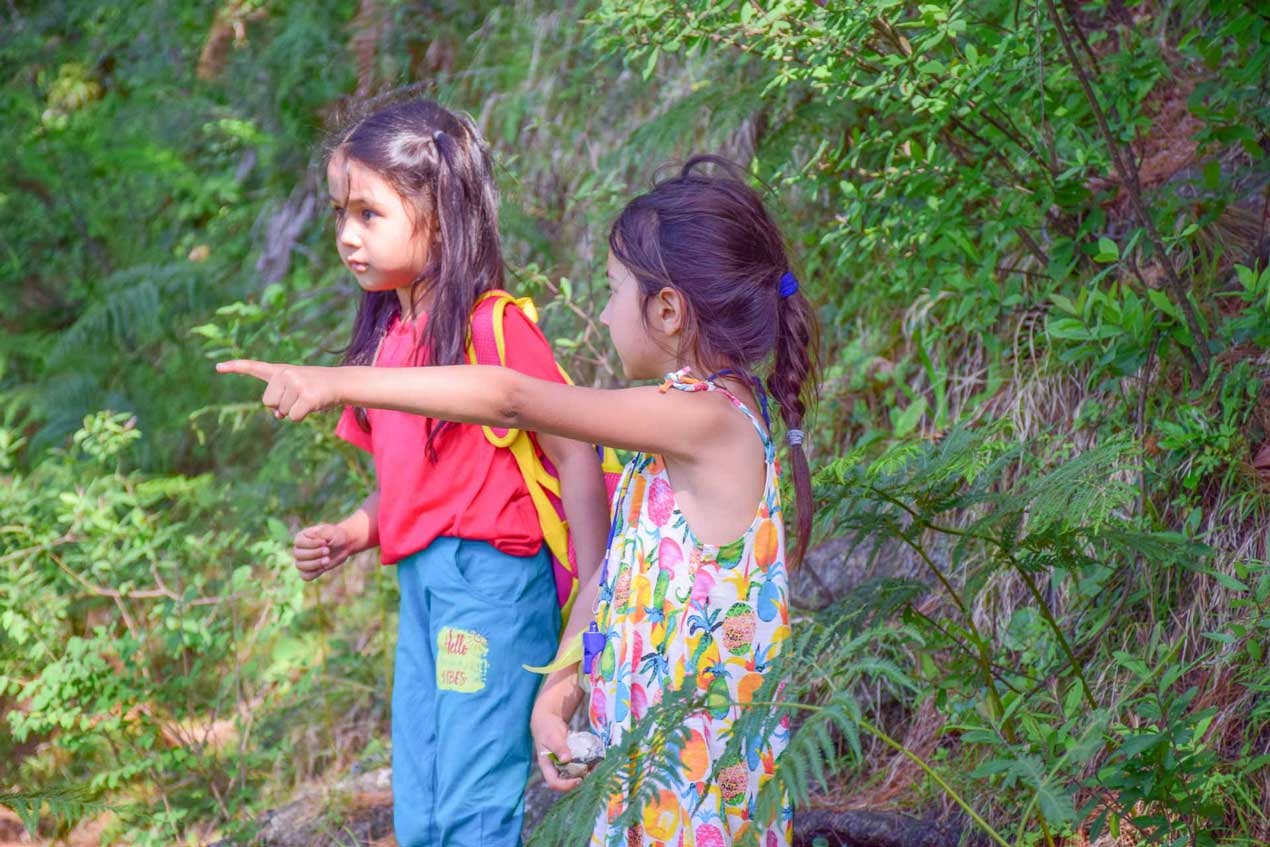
616 269
349 180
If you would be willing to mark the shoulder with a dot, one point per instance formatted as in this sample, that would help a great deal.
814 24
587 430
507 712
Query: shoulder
512 315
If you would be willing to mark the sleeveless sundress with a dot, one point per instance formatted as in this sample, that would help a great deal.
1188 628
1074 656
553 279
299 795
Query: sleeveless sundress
672 609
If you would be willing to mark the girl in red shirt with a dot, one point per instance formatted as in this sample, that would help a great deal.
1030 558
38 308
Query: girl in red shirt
416 211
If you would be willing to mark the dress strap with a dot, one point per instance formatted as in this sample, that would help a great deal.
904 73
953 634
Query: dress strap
681 380
759 391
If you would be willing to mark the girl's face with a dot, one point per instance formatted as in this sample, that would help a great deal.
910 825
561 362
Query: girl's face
644 353
375 230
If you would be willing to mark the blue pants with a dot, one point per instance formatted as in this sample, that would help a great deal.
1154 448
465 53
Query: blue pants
461 749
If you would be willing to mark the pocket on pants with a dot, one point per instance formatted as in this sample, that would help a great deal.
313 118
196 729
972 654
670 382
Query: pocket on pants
496 578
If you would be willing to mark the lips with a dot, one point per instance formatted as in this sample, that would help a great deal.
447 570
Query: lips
358 267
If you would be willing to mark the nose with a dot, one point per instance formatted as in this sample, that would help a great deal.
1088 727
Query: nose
604 315
348 236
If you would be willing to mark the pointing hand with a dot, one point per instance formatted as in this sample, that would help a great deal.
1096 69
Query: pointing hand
291 391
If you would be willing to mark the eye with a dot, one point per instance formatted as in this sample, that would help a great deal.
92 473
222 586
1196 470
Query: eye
367 214
337 211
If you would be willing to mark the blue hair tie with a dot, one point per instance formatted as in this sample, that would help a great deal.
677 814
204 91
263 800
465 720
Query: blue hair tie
789 284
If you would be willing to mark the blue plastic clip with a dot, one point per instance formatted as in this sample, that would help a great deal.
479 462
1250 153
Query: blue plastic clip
592 645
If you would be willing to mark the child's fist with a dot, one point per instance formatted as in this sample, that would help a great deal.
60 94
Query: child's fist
551 734
319 549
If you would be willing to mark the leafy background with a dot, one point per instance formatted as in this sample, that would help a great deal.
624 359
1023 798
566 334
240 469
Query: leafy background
1037 237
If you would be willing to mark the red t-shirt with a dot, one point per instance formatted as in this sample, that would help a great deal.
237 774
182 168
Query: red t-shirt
474 490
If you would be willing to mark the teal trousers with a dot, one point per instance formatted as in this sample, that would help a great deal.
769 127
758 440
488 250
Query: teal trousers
471 617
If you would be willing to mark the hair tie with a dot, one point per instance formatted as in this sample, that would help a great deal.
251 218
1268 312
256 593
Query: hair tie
794 437
789 284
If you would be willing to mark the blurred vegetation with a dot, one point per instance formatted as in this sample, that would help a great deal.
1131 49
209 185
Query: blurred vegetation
1037 234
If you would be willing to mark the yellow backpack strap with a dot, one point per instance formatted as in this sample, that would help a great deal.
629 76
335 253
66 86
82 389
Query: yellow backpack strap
555 530
501 299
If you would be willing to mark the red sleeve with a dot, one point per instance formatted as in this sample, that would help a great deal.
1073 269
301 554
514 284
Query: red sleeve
526 347
348 430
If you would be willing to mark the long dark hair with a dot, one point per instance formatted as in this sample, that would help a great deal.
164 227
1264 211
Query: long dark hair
439 163
710 237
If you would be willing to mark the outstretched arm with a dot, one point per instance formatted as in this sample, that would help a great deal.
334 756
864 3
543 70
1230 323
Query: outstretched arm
643 419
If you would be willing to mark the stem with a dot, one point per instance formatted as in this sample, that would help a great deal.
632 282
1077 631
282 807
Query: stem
1058 631
1129 179
931 622
911 756
934 775
984 660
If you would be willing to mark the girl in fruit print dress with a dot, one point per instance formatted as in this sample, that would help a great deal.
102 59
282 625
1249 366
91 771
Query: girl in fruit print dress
693 590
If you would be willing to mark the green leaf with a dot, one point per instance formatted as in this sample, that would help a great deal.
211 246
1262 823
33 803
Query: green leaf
907 420
651 64
1107 251
1063 303
1162 302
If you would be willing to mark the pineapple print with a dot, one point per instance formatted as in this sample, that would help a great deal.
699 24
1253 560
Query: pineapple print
739 625
708 835
734 777
718 698
683 613
622 591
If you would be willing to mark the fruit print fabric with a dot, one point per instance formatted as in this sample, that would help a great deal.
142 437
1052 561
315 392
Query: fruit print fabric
674 609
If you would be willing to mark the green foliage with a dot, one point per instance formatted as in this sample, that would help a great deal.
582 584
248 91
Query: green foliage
1031 699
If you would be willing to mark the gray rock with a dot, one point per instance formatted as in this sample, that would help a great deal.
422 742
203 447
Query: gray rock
862 828
538 801
834 568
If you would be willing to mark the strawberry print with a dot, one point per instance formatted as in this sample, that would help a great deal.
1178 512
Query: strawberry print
661 501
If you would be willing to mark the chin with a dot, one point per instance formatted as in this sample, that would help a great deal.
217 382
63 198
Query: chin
371 286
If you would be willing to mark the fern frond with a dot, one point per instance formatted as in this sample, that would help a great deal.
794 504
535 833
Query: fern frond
133 307
66 805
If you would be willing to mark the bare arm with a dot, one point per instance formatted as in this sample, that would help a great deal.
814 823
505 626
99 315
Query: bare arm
585 502
363 525
643 419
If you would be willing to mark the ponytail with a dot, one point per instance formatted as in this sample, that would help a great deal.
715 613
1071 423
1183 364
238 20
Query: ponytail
793 385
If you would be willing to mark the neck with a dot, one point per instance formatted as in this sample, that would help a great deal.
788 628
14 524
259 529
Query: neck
419 306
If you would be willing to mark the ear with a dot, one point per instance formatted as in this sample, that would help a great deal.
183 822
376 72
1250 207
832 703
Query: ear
667 311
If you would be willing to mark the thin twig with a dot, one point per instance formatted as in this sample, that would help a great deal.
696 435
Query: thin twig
1129 179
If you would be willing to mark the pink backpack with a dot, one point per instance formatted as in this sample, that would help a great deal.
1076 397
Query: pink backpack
486 346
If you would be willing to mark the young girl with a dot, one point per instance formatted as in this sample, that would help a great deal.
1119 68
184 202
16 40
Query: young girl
415 212
694 581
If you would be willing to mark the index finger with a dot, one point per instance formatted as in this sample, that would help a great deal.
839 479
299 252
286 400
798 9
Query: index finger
248 367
